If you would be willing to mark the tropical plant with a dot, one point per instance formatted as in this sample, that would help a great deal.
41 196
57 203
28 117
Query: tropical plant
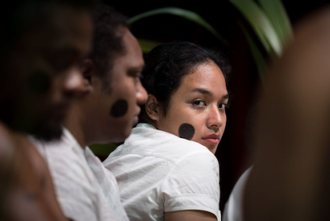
147 45
271 24
267 18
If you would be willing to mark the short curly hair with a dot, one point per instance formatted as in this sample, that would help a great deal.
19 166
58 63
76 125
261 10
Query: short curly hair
108 33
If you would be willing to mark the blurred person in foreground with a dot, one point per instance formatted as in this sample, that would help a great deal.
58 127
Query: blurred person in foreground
290 177
107 113
42 43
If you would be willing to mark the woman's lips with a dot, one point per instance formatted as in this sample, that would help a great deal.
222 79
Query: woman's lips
212 139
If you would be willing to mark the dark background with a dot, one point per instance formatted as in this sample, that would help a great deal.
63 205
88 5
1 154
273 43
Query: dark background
235 148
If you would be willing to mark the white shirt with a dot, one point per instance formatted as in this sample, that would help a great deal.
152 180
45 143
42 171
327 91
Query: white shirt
234 207
85 190
159 172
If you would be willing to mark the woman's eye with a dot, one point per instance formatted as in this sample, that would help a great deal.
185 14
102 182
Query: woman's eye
222 106
199 103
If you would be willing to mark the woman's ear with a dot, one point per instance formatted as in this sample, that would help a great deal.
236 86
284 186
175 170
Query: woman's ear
87 69
152 108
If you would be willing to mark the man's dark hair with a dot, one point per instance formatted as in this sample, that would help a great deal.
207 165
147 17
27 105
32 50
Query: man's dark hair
167 64
19 16
109 27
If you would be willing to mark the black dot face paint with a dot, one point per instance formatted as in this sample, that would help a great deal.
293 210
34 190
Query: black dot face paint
39 82
119 108
186 131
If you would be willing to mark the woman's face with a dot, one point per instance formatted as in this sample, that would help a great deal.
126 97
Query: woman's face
197 109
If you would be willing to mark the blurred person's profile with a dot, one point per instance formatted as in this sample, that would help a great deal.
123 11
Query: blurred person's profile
290 179
41 46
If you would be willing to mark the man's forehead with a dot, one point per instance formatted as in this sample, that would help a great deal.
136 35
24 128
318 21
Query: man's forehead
132 58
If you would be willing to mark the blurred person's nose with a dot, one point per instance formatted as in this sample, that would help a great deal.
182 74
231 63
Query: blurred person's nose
74 85
141 94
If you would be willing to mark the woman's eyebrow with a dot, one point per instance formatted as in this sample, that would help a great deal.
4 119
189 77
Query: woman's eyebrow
226 96
202 91
207 92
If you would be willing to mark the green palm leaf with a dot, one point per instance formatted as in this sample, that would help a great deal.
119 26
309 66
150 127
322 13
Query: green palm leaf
147 45
257 55
261 25
192 16
279 18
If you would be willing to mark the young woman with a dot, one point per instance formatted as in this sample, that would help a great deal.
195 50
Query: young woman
166 169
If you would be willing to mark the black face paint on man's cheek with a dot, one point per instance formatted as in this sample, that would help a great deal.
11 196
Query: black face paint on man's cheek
39 82
119 108
186 131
